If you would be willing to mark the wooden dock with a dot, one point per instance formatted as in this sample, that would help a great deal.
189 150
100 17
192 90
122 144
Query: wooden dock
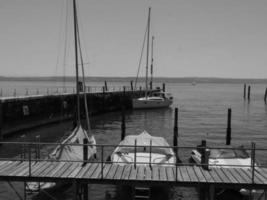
107 173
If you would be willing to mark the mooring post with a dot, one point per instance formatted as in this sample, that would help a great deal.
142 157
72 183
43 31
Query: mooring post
85 151
244 93
265 95
106 86
205 159
249 92
122 123
175 133
132 86
163 87
253 148
228 130
135 143
1 121
37 147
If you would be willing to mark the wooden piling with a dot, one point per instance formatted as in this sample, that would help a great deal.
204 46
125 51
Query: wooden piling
1 121
163 87
249 92
106 86
85 151
132 86
122 123
265 95
175 132
245 89
228 130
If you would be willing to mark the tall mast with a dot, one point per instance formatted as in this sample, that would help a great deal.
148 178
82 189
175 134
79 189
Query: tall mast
151 66
76 62
147 50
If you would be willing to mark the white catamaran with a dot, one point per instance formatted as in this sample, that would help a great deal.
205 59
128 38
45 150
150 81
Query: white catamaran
156 99
70 152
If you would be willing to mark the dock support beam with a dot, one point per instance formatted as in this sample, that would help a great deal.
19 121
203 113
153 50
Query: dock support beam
85 159
244 94
265 96
122 123
228 130
1 121
175 133
249 92
163 87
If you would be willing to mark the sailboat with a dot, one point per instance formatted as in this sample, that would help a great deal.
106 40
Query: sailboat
156 99
66 151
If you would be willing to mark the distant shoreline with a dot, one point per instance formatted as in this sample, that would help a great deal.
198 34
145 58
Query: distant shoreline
141 79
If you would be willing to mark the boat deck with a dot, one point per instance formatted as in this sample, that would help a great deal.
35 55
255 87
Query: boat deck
107 173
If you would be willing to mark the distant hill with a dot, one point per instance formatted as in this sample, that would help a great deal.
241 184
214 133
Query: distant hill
141 79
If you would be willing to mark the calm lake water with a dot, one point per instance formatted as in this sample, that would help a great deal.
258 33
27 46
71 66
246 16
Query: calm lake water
202 115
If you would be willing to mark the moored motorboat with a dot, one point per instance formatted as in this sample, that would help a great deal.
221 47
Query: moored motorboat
148 150
226 157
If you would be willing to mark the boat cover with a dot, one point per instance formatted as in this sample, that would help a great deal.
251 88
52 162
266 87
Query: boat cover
228 153
74 152
143 139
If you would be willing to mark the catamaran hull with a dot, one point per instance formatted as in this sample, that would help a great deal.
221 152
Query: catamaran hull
142 104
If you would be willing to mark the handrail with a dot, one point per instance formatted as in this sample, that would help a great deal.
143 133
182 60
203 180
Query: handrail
29 146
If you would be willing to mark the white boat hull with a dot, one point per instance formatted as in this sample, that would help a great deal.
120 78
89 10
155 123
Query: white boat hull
142 103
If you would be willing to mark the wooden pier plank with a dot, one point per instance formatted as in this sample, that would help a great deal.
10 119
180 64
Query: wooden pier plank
3 163
133 173
83 170
236 172
38 169
97 171
155 173
48 170
262 171
56 168
191 173
5 166
62 169
35 166
73 166
221 174
170 174
199 174
90 171
13 166
140 172
177 173
184 173
18 168
207 175
112 171
260 177
126 172
106 169
228 173
148 173
119 172
242 172
214 175
162 174
25 171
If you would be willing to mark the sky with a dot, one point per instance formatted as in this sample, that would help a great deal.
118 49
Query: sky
193 38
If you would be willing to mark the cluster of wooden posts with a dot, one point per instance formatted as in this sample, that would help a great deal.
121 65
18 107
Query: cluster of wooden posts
247 91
